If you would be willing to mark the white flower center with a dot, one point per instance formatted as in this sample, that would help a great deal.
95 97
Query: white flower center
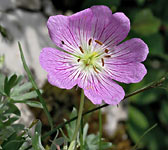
92 60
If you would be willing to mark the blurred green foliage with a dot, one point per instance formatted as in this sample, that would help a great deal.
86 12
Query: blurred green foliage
13 135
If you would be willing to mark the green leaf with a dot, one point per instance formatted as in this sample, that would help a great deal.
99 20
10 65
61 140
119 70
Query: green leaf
36 138
140 2
85 131
155 44
163 114
145 23
2 79
14 142
34 104
56 141
3 32
106 145
13 110
71 127
17 90
137 123
26 96
6 133
9 84
137 117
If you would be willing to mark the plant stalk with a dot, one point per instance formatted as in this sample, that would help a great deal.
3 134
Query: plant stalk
78 121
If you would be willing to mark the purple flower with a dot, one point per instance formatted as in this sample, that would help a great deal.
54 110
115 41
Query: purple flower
91 56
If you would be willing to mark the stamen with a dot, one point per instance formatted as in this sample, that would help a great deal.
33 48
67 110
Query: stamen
78 60
106 50
102 61
95 69
98 42
90 40
81 49
107 56
62 42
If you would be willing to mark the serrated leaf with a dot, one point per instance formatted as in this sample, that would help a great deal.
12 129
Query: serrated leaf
34 104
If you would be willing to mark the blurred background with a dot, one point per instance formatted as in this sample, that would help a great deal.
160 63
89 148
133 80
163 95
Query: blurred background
25 21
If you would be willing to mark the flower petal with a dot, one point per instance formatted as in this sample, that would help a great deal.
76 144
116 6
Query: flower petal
127 73
62 72
114 31
51 59
63 79
133 50
60 33
103 88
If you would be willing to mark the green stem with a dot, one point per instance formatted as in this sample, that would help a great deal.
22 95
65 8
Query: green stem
100 128
35 86
79 116
81 135
72 144
145 88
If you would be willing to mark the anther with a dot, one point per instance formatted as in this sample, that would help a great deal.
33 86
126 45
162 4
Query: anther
62 42
102 60
81 49
78 60
95 69
90 40
98 42
106 50
107 56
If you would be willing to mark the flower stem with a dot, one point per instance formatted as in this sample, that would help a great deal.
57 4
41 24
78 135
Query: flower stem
81 135
100 128
72 144
79 116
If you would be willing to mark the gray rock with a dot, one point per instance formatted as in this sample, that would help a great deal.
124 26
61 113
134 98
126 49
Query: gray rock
6 4
29 4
